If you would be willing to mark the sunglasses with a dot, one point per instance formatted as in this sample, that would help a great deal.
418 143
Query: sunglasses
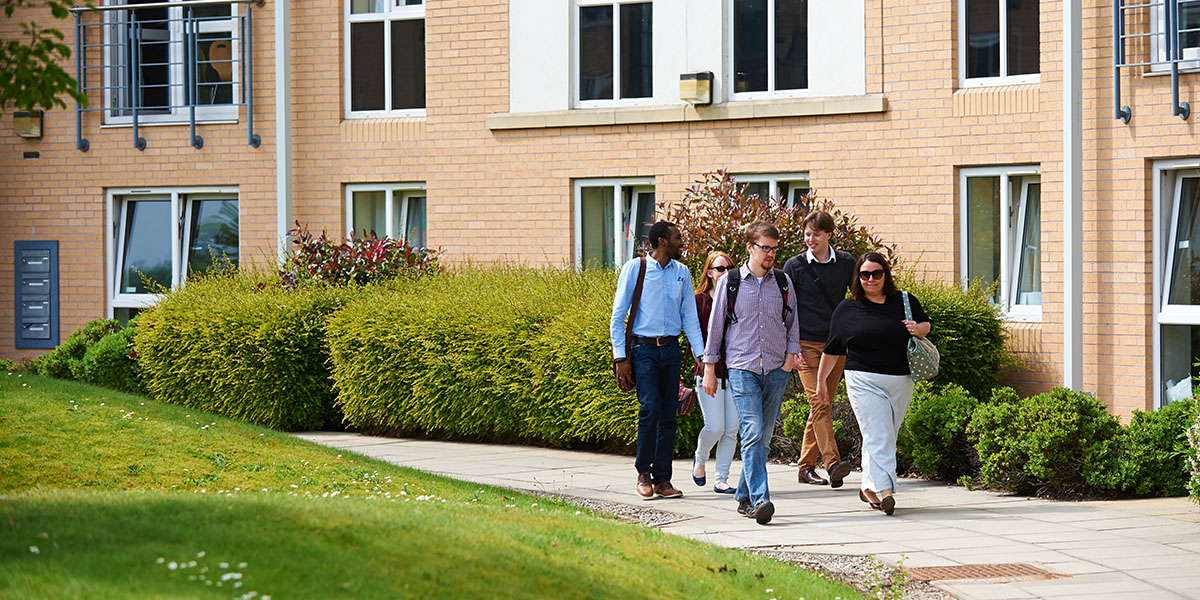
869 275
720 269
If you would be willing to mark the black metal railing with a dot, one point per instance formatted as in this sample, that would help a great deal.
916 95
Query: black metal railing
165 62
1156 25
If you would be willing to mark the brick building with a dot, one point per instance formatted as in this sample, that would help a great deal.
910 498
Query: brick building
541 131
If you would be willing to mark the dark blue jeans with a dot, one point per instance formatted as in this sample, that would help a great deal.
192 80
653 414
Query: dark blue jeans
656 371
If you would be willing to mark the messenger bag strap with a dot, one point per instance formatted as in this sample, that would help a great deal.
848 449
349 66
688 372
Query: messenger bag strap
633 307
821 286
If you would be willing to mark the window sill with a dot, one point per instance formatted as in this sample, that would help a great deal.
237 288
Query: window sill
997 100
680 113
383 129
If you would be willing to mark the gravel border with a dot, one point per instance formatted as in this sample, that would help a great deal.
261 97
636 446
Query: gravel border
859 572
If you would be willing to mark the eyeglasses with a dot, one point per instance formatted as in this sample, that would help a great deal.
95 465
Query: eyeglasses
767 249
720 269
869 275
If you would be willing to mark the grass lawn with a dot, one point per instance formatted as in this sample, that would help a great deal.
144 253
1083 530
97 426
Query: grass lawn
108 495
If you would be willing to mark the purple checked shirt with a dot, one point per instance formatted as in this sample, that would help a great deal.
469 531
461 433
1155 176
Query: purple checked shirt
759 341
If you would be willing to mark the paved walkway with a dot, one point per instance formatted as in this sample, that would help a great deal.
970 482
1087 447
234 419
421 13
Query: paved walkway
1143 549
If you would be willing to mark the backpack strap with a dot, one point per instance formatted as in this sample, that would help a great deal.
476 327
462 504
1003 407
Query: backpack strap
781 281
733 281
633 306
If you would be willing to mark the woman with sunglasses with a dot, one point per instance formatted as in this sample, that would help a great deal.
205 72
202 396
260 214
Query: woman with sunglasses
869 328
720 415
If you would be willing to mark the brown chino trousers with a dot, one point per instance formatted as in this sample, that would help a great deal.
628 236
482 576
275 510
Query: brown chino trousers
818 432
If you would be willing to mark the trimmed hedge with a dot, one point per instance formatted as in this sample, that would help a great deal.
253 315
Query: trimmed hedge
66 360
934 436
1153 452
506 354
112 362
243 347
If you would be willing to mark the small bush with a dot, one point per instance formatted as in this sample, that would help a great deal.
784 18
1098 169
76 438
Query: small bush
7 365
793 416
112 362
244 347
65 361
1061 443
1193 436
1153 452
934 437
318 259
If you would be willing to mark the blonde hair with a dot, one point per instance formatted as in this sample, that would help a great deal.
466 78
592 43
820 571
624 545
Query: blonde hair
706 283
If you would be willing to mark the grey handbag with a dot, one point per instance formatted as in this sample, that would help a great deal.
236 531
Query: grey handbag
923 356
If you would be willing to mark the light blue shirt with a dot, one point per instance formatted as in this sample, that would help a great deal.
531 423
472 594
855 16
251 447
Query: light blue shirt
667 305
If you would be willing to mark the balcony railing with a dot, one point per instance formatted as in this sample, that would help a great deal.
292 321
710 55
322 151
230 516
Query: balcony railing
1169 32
165 62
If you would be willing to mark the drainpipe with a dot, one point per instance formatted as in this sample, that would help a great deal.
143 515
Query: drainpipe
1072 195
283 124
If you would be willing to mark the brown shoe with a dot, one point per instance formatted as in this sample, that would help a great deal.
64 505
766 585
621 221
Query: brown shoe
645 489
837 472
810 476
666 490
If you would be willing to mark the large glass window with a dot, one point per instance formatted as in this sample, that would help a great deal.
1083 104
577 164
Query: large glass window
999 41
612 219
1188 39
1001 236
385 57
394 210
163 237
1179 304
770 45
791 188
615 50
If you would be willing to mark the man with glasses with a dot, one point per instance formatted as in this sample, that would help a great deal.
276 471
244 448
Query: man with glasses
666 306
753 325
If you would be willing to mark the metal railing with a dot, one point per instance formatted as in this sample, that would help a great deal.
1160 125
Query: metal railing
164 62
1165 43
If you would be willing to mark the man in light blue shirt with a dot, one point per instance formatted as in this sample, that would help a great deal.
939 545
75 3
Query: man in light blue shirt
667 305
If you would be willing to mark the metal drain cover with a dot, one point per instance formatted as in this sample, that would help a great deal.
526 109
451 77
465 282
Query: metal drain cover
997 571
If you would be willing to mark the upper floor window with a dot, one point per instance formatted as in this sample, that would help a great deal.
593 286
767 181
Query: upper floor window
787 187
385 58
612 220
1188 39
1001 236
770 47
999 42
394 210
614 50
161 60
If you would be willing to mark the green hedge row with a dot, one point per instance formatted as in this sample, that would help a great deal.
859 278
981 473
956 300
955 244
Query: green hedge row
244 347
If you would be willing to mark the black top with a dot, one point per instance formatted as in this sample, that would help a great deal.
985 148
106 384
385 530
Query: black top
872 336
812 309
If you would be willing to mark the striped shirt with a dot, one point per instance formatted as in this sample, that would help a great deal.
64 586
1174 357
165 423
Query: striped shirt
760 339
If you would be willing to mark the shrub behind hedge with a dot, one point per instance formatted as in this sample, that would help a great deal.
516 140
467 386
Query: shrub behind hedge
65 361
1193 458
112 363
243 347
1153 452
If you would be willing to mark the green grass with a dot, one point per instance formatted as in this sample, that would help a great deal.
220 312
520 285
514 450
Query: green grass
108 495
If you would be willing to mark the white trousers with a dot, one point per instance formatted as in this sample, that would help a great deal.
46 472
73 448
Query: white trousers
880 403
720 427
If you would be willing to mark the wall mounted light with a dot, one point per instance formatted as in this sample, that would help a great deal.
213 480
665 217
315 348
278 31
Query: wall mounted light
696 88
28 124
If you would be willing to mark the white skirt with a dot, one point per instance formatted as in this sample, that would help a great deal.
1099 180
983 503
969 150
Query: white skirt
880 403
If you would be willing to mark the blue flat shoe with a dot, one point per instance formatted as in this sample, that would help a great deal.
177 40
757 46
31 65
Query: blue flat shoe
700 481
727 490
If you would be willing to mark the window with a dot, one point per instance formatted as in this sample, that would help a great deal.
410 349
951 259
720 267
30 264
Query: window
614 46
1001 236
612 219
1189 33
761 66
162 60
385 58
789 187
163 236
999 42
395 210
1177 281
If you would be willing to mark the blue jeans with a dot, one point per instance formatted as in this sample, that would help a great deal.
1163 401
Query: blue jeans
656 371
757 398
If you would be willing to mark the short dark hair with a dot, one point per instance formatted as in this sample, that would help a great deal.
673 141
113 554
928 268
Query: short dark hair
758 229
889 284
659 230
819 220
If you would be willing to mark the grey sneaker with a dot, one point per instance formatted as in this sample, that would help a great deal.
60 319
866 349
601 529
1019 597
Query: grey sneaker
763 511
744 508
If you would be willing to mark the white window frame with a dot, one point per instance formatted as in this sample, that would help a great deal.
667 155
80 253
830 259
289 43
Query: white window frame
391 13
181 199
624 250
576 55
407 191
1166 176
207 113
1010 237
1159 62
773 180
731 61
1004 78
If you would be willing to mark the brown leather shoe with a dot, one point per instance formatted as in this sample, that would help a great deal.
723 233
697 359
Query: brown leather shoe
645 488
837 472
666 490
810 476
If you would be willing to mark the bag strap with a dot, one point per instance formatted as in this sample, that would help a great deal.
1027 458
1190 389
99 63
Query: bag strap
633 306
781 281
733 282
907 308
821 286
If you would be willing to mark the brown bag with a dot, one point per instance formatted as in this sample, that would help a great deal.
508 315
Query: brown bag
631 385
687 400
